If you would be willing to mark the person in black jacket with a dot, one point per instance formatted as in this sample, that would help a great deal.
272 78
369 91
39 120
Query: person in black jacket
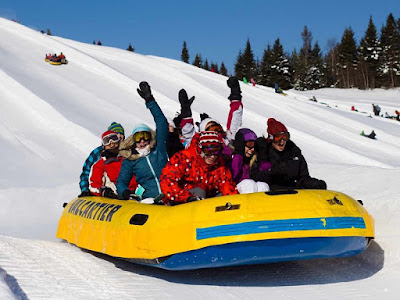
174 143
280 163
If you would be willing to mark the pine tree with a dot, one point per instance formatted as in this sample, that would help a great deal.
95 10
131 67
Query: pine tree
48 31
223 70
245 65
214 67
303 63
315 74
331 63
265 68
185 53
369 53
197 61
347 63
130 48
389 69
206 66
280 68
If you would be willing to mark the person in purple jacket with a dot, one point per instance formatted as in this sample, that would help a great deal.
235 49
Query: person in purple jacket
244 144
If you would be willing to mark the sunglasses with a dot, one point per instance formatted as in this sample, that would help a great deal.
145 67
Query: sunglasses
138 136
215 127
210 151
281 136
250 144
111 138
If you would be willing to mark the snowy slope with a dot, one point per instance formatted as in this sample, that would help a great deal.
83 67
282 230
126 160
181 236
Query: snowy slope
51 117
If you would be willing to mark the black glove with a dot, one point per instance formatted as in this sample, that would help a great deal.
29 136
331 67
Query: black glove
185 104
145 91
85 194
177 121
193 198
204 116
236 94
129 195
261 148
108 193
239 144
311 183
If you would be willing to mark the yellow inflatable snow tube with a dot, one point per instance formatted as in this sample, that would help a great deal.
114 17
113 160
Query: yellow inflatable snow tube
129 229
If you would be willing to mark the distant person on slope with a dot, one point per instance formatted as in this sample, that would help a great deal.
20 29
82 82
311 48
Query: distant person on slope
95 156
104 173
145 151
280 162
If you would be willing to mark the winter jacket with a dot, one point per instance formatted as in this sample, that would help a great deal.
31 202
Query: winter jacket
147 169
187 170
288 168
240 164
92 158
174 144
240 168
104 173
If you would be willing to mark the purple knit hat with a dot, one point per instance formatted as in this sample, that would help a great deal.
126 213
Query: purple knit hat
248 134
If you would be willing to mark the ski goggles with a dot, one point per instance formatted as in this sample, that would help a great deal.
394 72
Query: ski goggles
281 136
110 138
250 144
214 127
142 135
215 150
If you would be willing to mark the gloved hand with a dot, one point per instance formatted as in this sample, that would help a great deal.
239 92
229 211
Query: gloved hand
185 104
129 195
204 116
236 93
239 143
145 91
177 121
85 193
193 198
108 193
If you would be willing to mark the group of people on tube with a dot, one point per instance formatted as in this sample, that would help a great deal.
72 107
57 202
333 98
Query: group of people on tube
176 163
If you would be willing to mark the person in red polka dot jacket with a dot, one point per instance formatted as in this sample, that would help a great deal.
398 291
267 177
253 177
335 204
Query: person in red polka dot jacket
198 172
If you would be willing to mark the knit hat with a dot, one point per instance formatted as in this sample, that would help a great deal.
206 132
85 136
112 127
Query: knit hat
117 127
210 138
275 127
141 127
203 124
248 134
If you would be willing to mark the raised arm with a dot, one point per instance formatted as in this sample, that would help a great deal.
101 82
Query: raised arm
236 108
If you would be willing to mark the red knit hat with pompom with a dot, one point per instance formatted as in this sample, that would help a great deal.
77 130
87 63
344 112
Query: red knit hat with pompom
275 127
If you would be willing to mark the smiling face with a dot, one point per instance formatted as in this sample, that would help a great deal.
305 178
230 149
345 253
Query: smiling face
112 146
210 153
142 139
249 148
210 159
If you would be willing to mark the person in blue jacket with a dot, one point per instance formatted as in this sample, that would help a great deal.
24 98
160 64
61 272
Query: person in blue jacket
145 152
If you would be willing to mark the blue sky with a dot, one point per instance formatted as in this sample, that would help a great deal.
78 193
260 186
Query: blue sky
216 29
